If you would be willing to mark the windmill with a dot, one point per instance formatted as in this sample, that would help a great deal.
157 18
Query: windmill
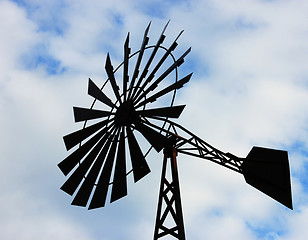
110 149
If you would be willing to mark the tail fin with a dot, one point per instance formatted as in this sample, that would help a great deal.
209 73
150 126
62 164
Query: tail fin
268 171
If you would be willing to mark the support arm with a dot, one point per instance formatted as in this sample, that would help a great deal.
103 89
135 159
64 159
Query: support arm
189 144
263 168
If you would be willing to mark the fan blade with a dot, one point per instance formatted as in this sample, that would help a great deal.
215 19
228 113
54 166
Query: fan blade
74 180
157 140
75 138
173 112
95 92
73 159
172 87
162 60
139 164
119 187
159 42
163 76
83 114
146 68
85 190
109 70
99 197
125 69
140 55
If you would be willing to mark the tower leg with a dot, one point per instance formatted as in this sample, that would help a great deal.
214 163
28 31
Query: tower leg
169 218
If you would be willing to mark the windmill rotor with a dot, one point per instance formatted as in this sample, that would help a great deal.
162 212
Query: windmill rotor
108 148
100 159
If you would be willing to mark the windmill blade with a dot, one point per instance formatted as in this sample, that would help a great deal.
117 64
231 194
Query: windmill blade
74 158
140 166
77 137
140 55
268 171
119 187
146 68
109 70
95 92
157 140
85 190
157 67
75 179
172 87
163 76
172 112
83 114
125 69
99 197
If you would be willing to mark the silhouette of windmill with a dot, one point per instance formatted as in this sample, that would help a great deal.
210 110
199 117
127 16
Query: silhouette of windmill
99 164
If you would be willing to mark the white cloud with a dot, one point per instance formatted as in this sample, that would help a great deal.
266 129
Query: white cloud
17 34
249 88
27 218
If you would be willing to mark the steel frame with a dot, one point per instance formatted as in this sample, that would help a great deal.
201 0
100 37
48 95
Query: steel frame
169 201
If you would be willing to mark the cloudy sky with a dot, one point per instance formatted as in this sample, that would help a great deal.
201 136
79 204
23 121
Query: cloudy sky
249 88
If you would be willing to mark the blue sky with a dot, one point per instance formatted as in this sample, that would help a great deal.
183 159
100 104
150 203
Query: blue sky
249 87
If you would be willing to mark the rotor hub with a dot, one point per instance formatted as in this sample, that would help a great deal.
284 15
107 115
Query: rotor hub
125 113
